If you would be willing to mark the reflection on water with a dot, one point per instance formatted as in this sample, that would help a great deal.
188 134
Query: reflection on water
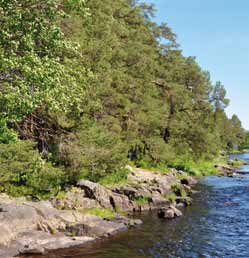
243 156
216 225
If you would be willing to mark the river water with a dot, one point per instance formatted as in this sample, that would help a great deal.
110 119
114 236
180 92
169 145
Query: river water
216 225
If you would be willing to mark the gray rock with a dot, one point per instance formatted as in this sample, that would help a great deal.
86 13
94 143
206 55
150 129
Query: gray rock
42 241
15 217
185 201
34 227
95 227
138 222
32 249
121 202
126 190
158 201
97 192
105 197
164 185
133 192
74 201
135 222
169 213
189 181
180 205
225 169
177 212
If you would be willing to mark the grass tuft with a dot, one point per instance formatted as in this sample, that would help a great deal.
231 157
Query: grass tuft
101 212
142 200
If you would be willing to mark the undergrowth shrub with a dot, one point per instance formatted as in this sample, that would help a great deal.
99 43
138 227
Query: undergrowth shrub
117 177
93 153
6 135
24 173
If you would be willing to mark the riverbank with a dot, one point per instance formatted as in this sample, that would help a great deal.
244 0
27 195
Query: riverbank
91 211
215 225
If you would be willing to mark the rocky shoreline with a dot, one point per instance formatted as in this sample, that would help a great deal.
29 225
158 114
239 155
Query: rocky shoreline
38 227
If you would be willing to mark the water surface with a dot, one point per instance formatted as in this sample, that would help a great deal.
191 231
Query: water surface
216 225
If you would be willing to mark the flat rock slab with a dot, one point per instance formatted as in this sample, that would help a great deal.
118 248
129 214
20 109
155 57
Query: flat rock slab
38 242
36 227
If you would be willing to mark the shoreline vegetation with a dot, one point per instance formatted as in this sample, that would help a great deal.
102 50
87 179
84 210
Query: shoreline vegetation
91 211
87 87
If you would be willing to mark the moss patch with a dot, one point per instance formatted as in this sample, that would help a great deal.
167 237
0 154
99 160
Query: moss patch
101 212
178 190
142 200
171 197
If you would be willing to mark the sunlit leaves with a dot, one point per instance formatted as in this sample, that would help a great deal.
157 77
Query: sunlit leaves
34 69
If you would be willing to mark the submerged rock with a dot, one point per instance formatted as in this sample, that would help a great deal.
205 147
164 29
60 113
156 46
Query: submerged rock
170 212
225 169
185 201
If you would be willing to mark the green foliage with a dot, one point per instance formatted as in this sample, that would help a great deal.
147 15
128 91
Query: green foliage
61 195
7 135
97 84
147 164
23 172
205 168
171 197
178 190
35 69
142 200
245 142
101 212
93 153
117 177
200 168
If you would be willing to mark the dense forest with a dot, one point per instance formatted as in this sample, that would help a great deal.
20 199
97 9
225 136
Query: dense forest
87 87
